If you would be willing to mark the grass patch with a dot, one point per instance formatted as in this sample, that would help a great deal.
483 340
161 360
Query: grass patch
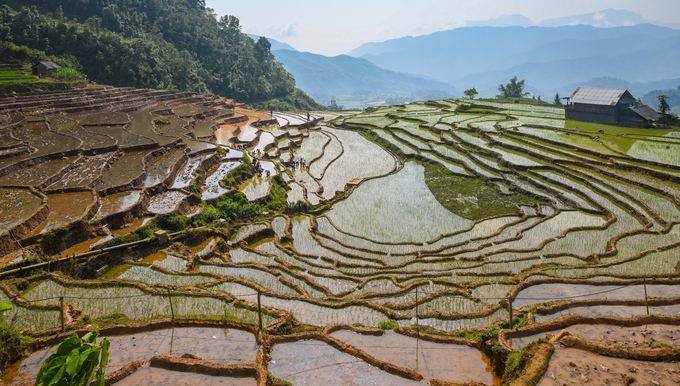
469 197
387 325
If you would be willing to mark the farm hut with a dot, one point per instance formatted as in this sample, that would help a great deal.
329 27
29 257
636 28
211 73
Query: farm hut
608 106
45 69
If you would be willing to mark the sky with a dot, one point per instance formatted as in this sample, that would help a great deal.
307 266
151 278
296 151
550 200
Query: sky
336 27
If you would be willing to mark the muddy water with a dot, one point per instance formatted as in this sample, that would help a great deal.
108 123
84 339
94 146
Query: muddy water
166 202
124 137
36 174
89 140
100 240
196 147
214 188
204 247
170 262
218 345
142 124
103 118
620 311
641 336
446 362
84 175
203 129
248 131
46 141
186 175
150 376
543 293
594 369
117 203
16 205
66 208
224 134
265 140
190 110
176 128
6 140
308 363
125 169
160 168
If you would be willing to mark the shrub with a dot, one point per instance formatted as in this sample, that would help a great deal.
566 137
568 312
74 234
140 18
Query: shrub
67 74
174 222
142 233
387 325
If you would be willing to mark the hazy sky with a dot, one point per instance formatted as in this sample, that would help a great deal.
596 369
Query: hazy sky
336 27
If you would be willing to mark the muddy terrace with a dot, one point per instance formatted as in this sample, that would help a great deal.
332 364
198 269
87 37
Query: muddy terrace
431 243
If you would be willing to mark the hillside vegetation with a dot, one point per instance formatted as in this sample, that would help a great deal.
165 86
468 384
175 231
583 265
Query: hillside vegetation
168 44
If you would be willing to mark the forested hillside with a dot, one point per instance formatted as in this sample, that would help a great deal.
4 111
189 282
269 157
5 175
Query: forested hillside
150 44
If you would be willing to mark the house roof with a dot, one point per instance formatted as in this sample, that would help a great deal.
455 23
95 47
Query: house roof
646 112
601 96
48 65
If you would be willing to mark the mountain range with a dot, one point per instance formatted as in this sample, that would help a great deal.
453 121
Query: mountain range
611 48
354 82
604 19
551 59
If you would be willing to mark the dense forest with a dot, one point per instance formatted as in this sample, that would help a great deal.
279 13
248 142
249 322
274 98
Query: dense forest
172 44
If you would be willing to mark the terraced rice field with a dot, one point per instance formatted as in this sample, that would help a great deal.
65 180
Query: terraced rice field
437 223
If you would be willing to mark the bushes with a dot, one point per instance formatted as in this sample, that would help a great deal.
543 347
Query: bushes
233 206
173 222
387 325
55 237
142 233
68 74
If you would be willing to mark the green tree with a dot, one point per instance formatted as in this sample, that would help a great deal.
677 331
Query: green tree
470 93
334 106
74 362
663 104
557 101
514 89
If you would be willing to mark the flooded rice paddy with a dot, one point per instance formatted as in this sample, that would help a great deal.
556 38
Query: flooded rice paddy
430 217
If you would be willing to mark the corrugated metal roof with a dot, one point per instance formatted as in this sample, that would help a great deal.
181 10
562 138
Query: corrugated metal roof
646 112
600 96
49 65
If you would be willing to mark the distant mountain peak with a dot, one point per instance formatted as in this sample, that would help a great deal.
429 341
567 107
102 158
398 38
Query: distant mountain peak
276 45
606 18
502 21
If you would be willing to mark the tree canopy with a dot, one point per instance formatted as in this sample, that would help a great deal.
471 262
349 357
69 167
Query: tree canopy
663 104
172 44
514 89
470 93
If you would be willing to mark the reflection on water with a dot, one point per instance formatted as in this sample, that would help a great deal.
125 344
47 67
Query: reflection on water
218 345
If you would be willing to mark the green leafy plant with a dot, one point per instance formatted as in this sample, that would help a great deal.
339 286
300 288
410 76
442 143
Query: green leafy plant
161 121
5 307
75 361
387 325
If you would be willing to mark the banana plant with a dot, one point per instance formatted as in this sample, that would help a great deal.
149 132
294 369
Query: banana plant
75 361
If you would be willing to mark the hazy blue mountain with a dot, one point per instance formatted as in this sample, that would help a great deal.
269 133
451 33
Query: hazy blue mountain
651 99
607 18
345 75
502 21
276 45
548 58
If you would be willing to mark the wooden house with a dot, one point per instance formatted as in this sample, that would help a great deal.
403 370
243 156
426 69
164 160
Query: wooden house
608 106
45 69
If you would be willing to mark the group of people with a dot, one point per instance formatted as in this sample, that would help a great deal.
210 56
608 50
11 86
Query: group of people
298 163
260 169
